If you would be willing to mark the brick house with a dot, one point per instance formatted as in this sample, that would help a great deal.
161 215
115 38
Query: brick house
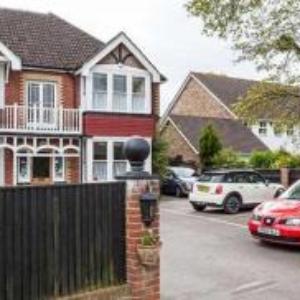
68 101
206 99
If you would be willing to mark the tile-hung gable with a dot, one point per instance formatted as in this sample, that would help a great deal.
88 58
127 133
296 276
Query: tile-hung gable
228 89
45 40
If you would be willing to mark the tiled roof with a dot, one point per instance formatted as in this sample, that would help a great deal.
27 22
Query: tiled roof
232 133
45 40
227 89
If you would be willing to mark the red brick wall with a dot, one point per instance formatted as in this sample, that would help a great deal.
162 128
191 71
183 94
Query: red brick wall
66 86
8 165
13 89
98 124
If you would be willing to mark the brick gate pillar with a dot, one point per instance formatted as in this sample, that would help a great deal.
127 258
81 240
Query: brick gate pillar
143 278
142 238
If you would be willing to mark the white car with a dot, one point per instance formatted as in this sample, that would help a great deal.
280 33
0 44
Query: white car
231 190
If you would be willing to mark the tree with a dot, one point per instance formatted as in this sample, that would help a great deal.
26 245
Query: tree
265 32
159 156
209 146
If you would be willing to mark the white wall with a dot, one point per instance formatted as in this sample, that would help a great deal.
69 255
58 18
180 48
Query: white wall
277 142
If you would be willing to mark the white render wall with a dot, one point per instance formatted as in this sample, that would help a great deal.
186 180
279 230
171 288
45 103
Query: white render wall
277 142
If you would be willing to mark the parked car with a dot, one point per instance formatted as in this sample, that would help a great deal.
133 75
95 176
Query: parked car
278 220
232 190
178 181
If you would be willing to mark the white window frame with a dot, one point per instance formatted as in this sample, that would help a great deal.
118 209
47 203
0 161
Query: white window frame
263 128
130 73
118 160
28 162
39 108
55 178
100 160
41 83
110 156
102 92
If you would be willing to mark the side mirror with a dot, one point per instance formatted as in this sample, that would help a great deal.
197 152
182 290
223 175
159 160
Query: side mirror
267 182
279 193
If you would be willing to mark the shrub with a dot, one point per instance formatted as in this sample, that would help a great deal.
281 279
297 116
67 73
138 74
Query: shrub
209 146
275 160
227 158
262 159
159 156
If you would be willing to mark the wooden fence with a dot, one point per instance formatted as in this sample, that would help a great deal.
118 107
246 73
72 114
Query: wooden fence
58 240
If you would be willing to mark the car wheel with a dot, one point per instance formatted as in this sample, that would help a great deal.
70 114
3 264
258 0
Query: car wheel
198 207
232 204
178 192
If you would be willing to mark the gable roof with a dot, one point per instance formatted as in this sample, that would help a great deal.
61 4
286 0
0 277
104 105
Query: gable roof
233 134
227 89
45 40
122 38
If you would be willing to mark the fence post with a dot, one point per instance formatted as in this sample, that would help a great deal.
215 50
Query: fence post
285 176
143 264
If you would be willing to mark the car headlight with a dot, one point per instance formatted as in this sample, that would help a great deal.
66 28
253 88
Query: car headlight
256 217
292 222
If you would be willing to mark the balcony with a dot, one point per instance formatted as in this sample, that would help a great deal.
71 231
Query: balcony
25 119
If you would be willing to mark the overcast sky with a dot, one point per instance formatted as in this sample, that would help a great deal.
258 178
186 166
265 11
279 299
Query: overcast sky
161 28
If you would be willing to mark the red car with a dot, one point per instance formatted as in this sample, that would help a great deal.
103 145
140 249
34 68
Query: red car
278 220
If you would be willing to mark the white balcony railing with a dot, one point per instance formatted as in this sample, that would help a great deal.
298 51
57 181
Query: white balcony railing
16 118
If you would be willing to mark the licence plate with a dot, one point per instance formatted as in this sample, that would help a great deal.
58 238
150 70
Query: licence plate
269 231
203 188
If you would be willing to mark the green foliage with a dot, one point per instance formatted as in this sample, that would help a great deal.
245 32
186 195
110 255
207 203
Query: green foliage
262 159
227 158
159 156
275 160
209 146
149 239
266 33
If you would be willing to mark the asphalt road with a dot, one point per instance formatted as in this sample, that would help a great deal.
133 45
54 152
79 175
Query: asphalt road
210 255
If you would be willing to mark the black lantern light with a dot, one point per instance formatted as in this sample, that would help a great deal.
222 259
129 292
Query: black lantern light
148 207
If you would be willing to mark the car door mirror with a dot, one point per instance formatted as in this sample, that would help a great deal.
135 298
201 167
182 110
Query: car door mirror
267 182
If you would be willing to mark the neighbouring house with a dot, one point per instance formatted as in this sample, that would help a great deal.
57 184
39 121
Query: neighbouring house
207 99
69 101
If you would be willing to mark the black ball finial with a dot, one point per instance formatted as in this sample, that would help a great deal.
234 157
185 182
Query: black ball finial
136 150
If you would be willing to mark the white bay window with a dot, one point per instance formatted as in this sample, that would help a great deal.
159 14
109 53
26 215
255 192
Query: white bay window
119 99
100 161
120 162
138 94
106 160
115 89
99 91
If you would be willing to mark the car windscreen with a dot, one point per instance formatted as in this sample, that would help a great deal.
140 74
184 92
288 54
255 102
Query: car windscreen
292 193
208 177
183 172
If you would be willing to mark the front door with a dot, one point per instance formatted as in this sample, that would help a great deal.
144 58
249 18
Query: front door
41 170
41 104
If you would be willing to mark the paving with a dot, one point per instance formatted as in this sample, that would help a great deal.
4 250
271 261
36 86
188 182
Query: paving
210 255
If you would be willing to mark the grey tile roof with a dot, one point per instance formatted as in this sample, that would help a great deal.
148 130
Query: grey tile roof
232 133
227 89
45 40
